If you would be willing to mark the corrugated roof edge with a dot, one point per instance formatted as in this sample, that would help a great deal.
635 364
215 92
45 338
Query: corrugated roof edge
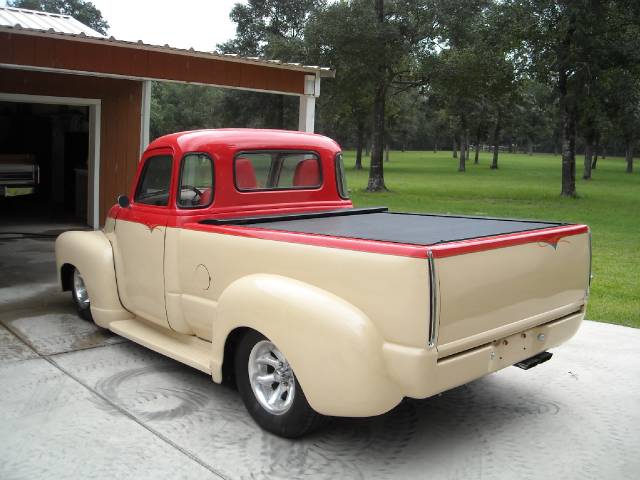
54 21
324 72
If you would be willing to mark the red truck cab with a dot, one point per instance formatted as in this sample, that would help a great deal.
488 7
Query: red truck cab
253 172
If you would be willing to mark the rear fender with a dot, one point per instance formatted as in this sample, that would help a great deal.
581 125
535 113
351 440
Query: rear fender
334 349
91 253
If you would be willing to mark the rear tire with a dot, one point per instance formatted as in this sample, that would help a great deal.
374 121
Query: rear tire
270 390
80 295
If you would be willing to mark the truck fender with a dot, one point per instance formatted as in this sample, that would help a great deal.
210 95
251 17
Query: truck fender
91 253
334 349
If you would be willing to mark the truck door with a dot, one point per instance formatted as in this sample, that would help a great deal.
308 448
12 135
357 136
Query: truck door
140 240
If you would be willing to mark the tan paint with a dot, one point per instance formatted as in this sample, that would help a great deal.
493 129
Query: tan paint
353 325
514 287
139 260
91 254
390 290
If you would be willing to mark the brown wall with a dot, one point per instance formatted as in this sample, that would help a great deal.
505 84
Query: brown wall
120 120
102 56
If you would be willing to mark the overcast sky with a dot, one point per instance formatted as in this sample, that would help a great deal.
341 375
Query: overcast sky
200 24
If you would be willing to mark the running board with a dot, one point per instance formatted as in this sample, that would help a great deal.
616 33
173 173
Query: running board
534 361
186 349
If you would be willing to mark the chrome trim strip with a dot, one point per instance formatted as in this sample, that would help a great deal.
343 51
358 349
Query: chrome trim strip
434 310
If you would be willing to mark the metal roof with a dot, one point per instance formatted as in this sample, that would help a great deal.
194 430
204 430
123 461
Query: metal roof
32 19
20 20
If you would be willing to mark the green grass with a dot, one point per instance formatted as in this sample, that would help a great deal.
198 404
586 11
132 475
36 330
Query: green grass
528 187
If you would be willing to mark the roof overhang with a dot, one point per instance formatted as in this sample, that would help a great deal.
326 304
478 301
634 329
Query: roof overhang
80 54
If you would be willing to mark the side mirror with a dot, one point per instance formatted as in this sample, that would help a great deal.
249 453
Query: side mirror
123 201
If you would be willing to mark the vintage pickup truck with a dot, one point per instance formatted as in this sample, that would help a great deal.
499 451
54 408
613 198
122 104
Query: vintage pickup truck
239 253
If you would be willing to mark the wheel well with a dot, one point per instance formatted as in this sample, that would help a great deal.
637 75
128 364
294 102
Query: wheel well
66 276
229 359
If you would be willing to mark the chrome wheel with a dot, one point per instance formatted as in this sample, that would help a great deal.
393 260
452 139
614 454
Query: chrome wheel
80 290
271 378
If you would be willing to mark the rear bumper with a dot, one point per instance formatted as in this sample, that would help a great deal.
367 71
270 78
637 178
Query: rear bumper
420 374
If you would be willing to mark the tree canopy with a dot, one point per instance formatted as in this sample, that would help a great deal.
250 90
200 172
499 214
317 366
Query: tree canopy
557 76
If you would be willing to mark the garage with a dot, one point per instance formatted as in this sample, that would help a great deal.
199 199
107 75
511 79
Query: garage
52 142
76 105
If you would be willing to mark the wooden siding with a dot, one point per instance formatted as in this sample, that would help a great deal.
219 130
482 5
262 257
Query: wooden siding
119 123
96 56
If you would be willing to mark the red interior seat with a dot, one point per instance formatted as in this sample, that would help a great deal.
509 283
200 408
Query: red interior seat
307 173
245 174
205 198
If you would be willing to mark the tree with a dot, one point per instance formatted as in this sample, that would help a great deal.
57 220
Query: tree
346 99
176 107
272 29
376 45
473 76
83 11
623 107
572 45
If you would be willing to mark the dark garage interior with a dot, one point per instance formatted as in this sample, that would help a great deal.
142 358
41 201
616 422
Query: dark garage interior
56 138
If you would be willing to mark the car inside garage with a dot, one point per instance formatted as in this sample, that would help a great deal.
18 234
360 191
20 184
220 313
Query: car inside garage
44 157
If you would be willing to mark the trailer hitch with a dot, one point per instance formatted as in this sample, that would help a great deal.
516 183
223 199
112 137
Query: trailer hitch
534 361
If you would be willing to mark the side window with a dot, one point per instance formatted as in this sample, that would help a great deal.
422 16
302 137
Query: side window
341 178
196 181
277 170
155 181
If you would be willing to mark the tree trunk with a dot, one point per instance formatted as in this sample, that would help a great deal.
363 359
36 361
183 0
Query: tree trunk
596 148
529 147
568 140
435 147
476 160
376 169
466 145
360 141
455 147
588 159
463 153
386 152
568 114
496 141
629 155
463 140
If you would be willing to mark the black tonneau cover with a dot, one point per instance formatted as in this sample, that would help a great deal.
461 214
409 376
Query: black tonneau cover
379 224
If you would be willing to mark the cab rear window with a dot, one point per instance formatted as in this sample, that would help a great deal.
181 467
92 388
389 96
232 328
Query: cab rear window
277 170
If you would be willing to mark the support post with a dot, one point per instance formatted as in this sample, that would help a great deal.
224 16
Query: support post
307 112
145 115
93 190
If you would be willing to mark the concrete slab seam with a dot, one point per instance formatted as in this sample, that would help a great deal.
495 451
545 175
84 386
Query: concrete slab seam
117 407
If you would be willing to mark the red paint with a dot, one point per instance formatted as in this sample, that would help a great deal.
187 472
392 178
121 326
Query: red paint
222 146
548 235
371 246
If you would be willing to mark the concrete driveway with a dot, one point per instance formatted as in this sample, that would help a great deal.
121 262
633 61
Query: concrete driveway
79 402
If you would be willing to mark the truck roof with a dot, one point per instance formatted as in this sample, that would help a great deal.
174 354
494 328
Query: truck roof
244 138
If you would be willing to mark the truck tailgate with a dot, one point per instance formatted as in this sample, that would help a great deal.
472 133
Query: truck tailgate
490 294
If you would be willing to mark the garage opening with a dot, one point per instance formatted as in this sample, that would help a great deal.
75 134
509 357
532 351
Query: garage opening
48 157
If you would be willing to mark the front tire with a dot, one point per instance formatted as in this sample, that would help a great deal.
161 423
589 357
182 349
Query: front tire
270 390
80 295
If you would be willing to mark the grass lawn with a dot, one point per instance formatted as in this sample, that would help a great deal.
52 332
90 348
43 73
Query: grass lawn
528 187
